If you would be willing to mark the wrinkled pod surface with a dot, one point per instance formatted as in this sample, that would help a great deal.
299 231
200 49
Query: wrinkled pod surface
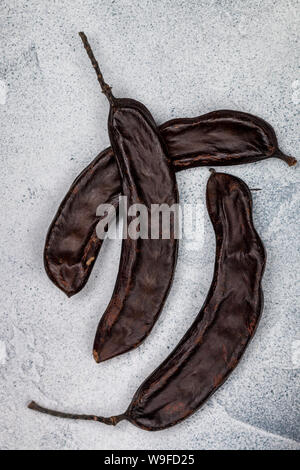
146 264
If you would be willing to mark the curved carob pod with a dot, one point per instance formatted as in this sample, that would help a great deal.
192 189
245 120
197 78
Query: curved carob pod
147 265
218 138
72 244
216 341
221 138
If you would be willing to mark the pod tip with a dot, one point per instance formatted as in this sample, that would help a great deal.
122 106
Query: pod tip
212 170
291 161
96 356
69 294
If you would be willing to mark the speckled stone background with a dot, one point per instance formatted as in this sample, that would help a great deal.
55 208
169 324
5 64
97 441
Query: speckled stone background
180 58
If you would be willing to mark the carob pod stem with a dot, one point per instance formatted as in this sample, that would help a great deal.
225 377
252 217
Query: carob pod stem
216 341
218 138
147 265
111 421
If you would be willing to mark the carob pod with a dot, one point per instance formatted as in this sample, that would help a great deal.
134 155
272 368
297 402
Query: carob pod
216 341
147 265
72 244
217 138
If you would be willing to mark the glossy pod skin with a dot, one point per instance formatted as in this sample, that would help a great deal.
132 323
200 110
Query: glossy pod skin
146 265
72 244
217 138
216 341
214 344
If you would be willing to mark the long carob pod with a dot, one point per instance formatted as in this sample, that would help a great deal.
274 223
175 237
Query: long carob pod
216 341
218 138
147 265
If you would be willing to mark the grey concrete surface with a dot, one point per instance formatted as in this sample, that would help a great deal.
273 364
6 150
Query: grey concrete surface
180 58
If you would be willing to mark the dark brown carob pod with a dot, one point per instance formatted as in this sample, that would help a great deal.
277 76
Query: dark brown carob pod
221 138
215 343
72 244
147 265
218 138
